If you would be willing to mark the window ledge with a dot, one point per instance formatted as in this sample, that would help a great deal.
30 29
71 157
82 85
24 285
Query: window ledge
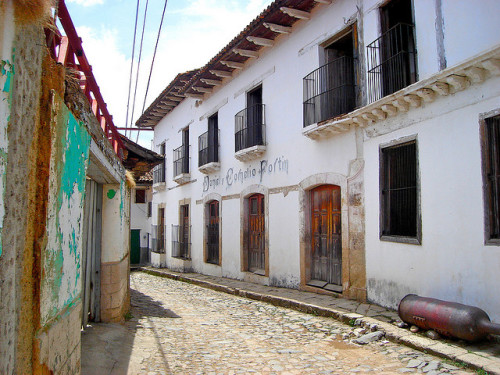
449 81
250 153
159 186
210 168
182 178
401 239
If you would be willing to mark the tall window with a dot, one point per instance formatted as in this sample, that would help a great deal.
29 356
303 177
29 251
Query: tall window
392 63
208 143
491 178
181 155
399 193
140 196
159 170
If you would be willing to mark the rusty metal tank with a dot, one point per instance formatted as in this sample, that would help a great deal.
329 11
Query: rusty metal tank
447 318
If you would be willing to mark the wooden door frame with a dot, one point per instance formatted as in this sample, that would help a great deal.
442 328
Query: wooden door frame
244 209
206 217
305 188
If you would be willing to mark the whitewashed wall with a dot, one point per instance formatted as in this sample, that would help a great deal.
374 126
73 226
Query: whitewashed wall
452 263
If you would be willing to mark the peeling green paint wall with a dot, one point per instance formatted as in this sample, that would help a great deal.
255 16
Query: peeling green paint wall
6 74
62 256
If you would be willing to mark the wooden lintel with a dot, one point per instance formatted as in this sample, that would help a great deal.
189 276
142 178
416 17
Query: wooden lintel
278 28
232 64
221 73
296 13
260 41
245 52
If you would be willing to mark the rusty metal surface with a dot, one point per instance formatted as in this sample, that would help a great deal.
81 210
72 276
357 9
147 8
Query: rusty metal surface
447 318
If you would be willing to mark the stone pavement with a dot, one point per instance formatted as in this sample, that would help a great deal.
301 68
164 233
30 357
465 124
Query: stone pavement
180 328
485 355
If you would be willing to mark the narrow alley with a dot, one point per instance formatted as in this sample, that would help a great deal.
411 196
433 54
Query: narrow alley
179 328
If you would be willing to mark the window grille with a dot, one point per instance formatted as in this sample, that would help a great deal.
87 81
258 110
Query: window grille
491 172
399 206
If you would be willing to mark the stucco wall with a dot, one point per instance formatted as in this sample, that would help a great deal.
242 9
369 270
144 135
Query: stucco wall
452 262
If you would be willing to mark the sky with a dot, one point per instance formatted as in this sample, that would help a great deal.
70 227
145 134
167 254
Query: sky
193 32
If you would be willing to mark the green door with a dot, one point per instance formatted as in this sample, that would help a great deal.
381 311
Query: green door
135 246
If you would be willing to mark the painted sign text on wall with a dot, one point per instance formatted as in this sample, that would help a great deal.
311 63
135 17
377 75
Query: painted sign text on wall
233 176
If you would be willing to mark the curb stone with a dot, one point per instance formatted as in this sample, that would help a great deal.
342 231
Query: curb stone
392 332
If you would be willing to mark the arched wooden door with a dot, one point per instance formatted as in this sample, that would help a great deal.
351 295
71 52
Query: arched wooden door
256 234
326 238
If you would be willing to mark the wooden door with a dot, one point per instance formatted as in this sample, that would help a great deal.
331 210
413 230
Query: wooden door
135 246
213 233
91 253
326 246
184 235
256 234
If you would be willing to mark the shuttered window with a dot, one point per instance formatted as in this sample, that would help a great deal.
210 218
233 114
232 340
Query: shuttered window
399 193
491 177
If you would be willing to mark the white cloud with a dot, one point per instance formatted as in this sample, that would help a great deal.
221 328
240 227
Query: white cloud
87 3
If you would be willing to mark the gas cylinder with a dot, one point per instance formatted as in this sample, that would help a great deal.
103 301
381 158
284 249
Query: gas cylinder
447 318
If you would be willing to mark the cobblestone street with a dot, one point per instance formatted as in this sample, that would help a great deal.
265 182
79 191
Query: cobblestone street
179 328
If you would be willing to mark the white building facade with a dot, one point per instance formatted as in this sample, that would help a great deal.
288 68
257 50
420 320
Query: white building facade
343 147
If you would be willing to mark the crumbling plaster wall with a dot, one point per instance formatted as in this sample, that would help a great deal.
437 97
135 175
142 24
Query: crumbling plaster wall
44 153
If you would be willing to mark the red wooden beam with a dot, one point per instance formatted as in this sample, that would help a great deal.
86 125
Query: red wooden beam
91 86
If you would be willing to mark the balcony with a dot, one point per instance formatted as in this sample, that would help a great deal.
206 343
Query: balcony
208 152
181 165
392 62
158 239
329 91
159 176
250 133
181 244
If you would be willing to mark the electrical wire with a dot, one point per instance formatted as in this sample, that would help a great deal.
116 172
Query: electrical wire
131 66
139 63
152 63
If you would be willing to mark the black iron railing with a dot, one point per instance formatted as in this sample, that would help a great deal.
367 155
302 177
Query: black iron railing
181 160
181 241
159 173
329 91
208 148
392 61
213 243
250 127
158 239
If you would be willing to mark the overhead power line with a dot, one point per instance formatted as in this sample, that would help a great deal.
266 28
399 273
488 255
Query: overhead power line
152 64
139 63
131 66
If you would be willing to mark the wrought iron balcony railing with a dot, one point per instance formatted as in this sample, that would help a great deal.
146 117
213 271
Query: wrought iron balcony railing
159 173
208 148
158 238
329 91
181 160
181 241
250 127
392 61
213 243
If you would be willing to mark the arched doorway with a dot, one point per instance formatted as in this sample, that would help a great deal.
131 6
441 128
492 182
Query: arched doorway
326 238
